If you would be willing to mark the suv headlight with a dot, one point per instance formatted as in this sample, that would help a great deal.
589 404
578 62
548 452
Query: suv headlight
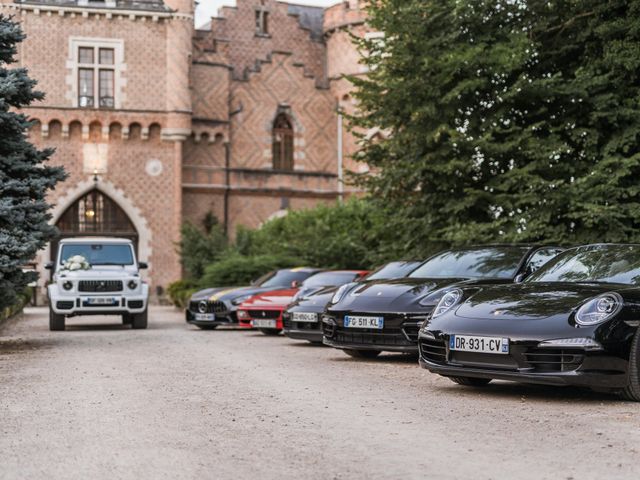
599 309
132 284
67 285
447 302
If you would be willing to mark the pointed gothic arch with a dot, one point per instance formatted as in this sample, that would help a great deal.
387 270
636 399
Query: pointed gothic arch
283 142
94 214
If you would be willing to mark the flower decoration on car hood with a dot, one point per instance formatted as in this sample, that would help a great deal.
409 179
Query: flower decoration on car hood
77 262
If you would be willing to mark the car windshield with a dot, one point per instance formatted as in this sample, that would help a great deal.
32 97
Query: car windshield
393 270
593 263
329 279
99 254
283 278
489 262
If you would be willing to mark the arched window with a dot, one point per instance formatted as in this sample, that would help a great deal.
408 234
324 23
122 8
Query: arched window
94 214
282 143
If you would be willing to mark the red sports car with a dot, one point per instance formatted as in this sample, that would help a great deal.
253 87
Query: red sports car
264 310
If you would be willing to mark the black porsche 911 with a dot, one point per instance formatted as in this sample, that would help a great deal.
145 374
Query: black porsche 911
573 322
302 318
365 319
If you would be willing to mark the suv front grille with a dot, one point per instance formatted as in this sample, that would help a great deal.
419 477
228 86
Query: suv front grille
554 359
100 286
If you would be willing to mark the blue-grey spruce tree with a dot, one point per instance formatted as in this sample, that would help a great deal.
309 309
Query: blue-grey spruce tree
24 178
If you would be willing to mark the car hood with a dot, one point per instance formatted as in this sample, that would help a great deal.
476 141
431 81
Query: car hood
226 294
270 299
315 303
529 301
102 272
391 295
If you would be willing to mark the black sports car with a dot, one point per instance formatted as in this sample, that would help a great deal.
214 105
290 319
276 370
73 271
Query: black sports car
213 307
573 322
367 318
302 318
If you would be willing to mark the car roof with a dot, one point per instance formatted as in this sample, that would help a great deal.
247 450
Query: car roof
95 240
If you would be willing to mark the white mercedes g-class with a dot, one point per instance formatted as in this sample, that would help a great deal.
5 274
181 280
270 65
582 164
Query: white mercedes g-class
97 276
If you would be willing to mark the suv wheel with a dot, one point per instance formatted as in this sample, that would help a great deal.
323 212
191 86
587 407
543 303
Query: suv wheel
139 320
362 353
127 319
56 321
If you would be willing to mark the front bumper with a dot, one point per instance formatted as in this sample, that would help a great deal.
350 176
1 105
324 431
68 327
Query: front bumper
527 363
226 318
79 305
309 331
400 334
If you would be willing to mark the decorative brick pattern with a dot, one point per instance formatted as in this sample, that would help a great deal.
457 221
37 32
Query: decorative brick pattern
186 99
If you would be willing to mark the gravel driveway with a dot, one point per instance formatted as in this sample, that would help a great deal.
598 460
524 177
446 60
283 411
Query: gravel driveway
103 401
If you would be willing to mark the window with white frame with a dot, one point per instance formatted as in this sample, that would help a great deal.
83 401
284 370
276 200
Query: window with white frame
96 77
96 65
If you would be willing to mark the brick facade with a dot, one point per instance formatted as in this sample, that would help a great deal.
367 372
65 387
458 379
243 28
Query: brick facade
192 127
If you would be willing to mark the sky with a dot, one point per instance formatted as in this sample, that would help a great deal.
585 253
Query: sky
209 8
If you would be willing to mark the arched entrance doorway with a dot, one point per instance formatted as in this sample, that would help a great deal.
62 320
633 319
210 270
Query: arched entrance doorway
94 214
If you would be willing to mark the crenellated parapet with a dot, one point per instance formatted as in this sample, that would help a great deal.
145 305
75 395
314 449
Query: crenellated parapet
343 15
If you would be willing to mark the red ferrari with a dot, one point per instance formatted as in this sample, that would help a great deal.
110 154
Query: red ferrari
264 310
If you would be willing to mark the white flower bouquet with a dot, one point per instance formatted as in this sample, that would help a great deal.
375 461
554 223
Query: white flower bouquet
77 262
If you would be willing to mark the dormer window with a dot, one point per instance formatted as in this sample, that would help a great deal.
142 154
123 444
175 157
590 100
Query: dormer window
262 22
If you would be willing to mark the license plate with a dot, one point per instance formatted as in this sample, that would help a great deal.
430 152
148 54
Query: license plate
351 321
102 301
261 323
205 317
305 317
471 343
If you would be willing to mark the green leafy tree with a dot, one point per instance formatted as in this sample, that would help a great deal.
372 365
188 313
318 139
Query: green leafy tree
24 179
200 246
507 121
339 235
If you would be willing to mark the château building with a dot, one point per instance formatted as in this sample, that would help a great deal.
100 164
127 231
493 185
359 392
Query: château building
158 123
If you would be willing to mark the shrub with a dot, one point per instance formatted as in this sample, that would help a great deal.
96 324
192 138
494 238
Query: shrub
237 269
200 246
179 292
339 235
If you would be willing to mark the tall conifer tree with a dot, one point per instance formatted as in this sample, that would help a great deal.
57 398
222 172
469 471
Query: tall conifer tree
24 179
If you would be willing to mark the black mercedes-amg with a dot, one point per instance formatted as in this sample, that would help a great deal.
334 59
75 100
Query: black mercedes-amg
365 319
573 322
302 318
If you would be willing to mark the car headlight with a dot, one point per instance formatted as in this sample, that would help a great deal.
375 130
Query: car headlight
447 302
432 298
239 300
340 293
132 284
599 309
67 285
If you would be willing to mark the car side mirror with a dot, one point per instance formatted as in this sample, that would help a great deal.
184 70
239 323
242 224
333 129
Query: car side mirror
295 284
143 265
48 266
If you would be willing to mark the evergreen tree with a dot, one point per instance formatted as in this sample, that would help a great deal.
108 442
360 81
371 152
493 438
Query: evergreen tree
507 121
24 180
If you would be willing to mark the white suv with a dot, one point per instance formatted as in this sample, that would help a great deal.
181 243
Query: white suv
97 276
